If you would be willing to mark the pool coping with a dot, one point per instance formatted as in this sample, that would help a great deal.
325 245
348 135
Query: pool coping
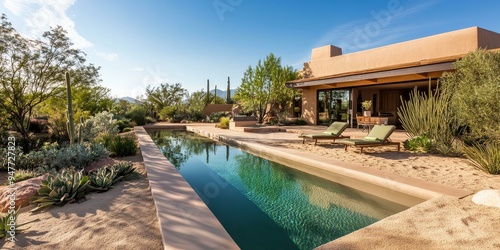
185 221
321 166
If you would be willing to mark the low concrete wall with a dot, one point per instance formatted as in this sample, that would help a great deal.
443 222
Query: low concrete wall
185 221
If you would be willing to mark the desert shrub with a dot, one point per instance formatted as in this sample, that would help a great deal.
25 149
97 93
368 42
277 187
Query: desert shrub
21 175
485 157
475 98
67 186
99 125
223 123
137 114
150 120
128 129
55 157
38 125
122 124
429 115
300 122
420 143
168 112
122 146
215 116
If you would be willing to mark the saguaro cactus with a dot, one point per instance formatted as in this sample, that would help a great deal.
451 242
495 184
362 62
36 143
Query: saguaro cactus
228 93
69 112
207 99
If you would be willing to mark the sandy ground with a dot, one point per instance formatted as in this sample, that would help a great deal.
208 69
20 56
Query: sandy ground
121 218
452 171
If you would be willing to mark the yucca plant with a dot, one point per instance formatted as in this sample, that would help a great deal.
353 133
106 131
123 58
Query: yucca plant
103 179
67 186
485 157
430 115
9 220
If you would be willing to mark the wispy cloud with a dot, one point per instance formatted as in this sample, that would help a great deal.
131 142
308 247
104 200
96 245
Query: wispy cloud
107 56
40 15
380 28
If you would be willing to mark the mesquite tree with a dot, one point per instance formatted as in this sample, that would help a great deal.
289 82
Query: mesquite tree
32 70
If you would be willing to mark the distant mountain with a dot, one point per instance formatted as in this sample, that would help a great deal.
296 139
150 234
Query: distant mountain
222 93
128 99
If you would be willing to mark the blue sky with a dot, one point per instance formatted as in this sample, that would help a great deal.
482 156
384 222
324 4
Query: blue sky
189 41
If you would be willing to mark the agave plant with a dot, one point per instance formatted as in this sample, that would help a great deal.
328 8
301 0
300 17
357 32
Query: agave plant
67 186
123 168
9 220
103 179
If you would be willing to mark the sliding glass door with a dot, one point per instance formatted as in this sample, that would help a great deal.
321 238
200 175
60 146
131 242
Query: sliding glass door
333 105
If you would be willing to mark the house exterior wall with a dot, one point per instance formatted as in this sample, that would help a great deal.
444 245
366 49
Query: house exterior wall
443 45
328 60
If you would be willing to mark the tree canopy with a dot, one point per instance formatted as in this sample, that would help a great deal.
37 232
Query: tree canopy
264 85
475 87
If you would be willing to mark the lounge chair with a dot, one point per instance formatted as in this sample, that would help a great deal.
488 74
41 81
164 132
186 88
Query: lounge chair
378 137
331 133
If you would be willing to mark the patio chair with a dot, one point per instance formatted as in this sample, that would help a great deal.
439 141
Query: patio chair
378 137
331 133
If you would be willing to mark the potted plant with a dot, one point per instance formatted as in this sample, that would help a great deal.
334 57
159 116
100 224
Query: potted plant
366 106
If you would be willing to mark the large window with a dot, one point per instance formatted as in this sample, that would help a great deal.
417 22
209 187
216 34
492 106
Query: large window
333 105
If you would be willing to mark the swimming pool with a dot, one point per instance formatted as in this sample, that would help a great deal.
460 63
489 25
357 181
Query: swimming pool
263 204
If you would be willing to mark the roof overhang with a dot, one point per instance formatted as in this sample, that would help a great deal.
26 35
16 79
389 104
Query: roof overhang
372 77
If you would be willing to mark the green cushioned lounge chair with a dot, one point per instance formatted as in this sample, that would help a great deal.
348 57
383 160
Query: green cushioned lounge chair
378 136
331 133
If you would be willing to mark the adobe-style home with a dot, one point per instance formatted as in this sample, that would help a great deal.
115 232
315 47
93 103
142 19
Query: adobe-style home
335 85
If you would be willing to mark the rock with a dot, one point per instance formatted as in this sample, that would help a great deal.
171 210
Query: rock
487 197
99 163
24 190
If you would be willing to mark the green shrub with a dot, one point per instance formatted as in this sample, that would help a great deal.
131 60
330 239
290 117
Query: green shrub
300 122
54 157
420 143
99 125
224 123
137 114
475 93
122 146
485 157
67 186
215 116
122 124
128 129
150 120
21 175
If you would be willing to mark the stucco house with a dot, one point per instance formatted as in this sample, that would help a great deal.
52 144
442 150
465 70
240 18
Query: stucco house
335 84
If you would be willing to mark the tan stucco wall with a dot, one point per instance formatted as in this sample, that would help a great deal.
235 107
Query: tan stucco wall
438 46
328 60
211 108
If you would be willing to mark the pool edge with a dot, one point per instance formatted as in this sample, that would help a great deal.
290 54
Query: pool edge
185 221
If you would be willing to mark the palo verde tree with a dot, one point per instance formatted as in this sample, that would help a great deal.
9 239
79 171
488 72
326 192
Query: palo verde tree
32 70
264 85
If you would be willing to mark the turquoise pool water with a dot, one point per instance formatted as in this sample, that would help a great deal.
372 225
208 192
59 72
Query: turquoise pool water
263 204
